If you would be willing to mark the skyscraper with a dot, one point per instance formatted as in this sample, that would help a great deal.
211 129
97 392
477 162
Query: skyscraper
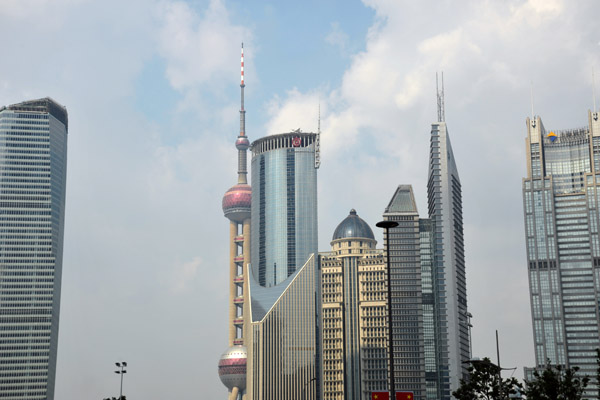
283 359
445 211
561 196
407 299
354 313
284 205
236 207
33 164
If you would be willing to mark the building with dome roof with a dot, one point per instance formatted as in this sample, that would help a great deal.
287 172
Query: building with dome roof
354 313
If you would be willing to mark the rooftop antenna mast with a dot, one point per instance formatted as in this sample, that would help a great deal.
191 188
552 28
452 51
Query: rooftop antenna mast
594 89
440 99
242 143
318 141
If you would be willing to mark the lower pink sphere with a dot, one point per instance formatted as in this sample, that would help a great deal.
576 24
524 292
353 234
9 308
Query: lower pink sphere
232 367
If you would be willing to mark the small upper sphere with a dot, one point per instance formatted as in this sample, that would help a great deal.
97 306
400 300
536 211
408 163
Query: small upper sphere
242 143
237 202
232 367
353 226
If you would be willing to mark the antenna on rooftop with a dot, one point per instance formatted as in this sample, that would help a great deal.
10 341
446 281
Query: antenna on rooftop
440 99
318 141
594 89
532 113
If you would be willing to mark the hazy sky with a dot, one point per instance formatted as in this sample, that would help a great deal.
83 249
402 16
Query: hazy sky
152 90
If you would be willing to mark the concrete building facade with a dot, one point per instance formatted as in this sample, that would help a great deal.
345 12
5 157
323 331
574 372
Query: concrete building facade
354 314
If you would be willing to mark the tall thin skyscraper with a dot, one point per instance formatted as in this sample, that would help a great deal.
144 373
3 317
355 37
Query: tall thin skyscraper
445 211
407 318
561 196
33 166
284 205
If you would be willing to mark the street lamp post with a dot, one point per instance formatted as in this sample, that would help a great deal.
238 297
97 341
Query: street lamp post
386 225
121 372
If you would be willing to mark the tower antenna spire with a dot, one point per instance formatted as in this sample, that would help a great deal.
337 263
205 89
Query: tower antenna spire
594 89
242 143
318 141
440 99
532 113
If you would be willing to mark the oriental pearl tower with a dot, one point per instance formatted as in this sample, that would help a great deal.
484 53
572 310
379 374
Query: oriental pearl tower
236 207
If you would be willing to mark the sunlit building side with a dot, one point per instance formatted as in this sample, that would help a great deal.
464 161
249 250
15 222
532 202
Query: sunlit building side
283 357
284 205
354 313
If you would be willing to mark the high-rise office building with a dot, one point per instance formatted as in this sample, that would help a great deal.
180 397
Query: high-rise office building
283 357
33 165
561 196
445 211
236 207
407 299
284 204
354 314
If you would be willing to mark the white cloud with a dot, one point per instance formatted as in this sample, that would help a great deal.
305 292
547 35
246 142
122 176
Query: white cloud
337 37
198 48
375 130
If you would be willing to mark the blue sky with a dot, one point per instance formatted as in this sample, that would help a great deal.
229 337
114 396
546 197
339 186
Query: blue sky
152 90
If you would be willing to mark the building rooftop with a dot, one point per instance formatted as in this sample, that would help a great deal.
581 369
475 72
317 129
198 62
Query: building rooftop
353 226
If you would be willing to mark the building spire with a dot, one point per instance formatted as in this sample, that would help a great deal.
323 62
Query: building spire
242 143
318 141
440 99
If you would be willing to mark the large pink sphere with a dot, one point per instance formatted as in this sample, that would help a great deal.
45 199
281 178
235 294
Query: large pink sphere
237 201
232 367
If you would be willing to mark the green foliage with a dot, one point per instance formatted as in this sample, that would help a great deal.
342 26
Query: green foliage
556 382
484 383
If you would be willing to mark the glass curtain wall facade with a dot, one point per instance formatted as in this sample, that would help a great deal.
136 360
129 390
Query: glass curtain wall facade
354 296
284 354
407 300
430 287
561 196
33 158
445 211
284 205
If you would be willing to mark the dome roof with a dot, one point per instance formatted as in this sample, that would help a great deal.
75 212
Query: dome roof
237 201
353 227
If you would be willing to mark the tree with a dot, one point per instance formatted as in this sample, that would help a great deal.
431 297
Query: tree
484 383
556 382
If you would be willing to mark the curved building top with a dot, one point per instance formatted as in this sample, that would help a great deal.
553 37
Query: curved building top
353 226
290 140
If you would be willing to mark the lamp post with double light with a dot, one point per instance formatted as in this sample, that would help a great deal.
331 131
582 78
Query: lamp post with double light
121 372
